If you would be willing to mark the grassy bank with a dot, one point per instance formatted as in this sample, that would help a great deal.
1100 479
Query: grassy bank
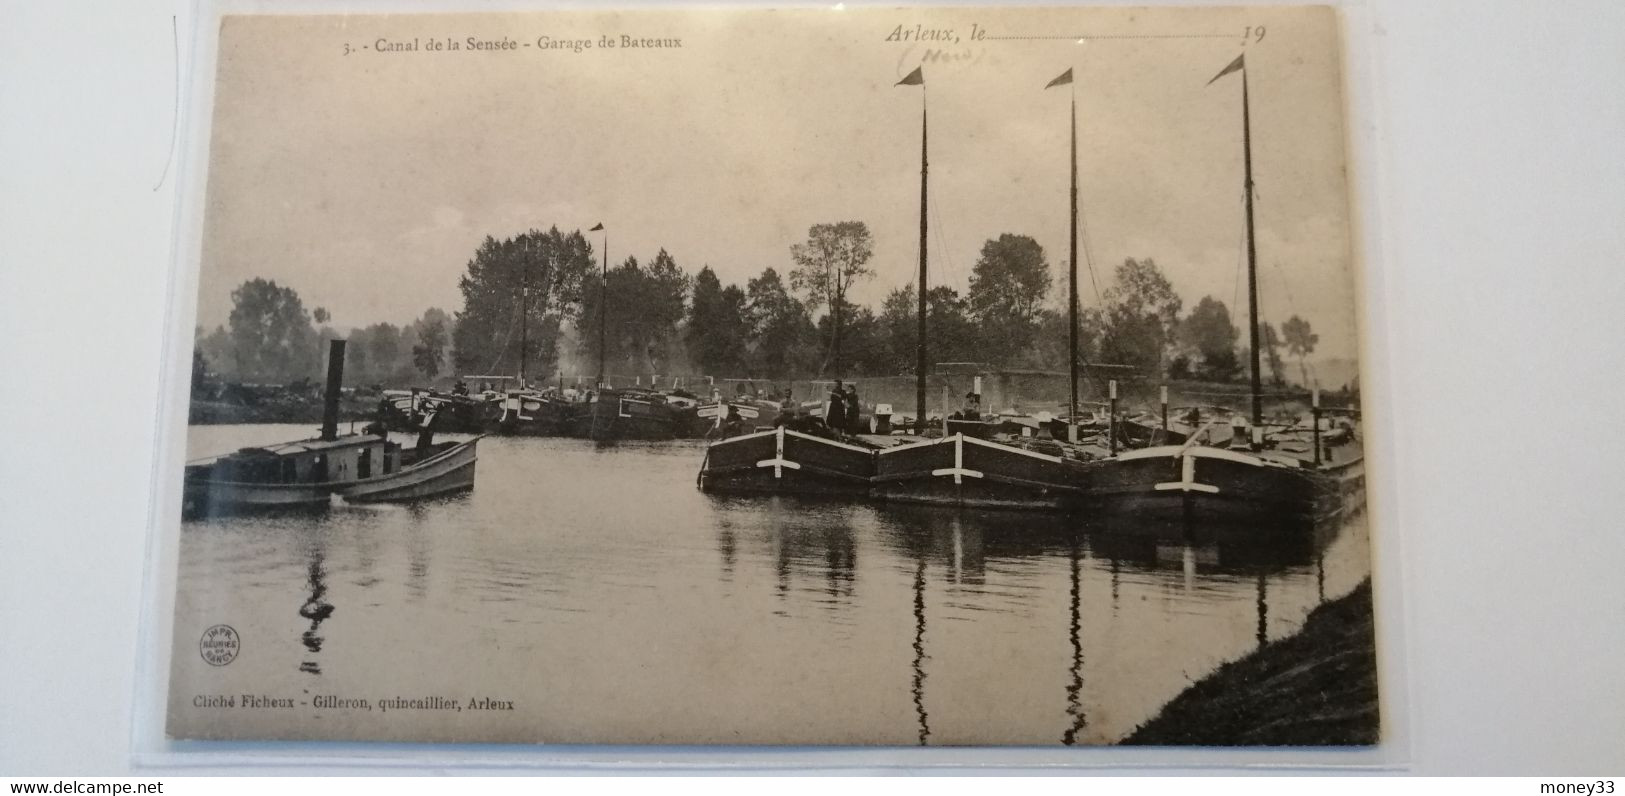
1317 688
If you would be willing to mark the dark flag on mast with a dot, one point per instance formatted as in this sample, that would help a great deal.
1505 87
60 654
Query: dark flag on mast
1063 80
1235 66
596 228
915 78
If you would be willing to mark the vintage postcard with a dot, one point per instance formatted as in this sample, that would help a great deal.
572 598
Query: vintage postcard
856 376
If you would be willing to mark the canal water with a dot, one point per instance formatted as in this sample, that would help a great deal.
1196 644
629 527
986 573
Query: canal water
601 596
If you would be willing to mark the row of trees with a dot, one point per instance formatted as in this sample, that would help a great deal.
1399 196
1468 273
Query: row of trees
1008 318
270 338
537 303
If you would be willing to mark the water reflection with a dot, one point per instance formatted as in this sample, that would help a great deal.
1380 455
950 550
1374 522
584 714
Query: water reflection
1074 690
727 545
919 649
966 548
1263 609
1320 577
1196 550
1041 629
811 541
316 609
417 558
1117 573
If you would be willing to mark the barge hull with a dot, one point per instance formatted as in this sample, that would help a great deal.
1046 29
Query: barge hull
782 462
975 473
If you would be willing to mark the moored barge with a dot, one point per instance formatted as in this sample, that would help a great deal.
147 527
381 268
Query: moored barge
783 461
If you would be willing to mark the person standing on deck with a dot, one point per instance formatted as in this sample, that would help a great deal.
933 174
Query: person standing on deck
735 425
835 415
854 423
426 433
380 424
973 407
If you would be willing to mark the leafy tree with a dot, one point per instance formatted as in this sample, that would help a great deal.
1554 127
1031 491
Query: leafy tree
543 272
642 306
374 354
432 336
865 340
217 350
897 322
271 335
1051 346
1300 342
951 333
1180 367
1007 289
661 310
1142 316
321 315
718 328
1209 332
606 302
200 365
833 257
781 330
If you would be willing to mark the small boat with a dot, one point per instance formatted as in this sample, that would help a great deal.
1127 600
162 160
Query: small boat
784 461
962 470
308 474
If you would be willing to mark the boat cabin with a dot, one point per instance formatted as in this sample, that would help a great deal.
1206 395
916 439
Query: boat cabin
311 461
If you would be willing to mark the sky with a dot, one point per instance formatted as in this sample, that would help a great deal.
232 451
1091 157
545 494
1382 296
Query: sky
366 180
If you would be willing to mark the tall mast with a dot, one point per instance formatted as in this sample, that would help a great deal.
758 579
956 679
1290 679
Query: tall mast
603 310
920 365
524 310
1065 79
1252 253
1072 273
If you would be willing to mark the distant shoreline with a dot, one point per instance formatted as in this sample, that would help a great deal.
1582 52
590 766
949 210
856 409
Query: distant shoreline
1037 390
1316 688
221 413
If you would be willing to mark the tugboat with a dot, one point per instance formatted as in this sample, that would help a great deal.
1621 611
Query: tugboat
307 474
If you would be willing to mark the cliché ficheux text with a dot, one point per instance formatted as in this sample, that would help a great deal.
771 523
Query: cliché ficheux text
328 702
506 44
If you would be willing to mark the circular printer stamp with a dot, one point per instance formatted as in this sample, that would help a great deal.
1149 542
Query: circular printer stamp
219 645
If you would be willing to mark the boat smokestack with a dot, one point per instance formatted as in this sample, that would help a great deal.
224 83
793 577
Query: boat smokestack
330 400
